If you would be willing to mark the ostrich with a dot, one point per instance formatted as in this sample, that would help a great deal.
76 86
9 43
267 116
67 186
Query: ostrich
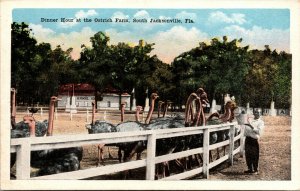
52 161
104 127
166 105
100 127
137 113
170 145
177 144
130 148
197 119
228 116
201 120
163 146
122 120
31 123
122 111
203 100
135 147
189 118
57 160
195 141
137 119
22 128
153 97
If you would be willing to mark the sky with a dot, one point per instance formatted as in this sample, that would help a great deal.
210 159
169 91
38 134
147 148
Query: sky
257 27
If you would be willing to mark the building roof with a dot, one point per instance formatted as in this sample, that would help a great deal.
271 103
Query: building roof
84 89
77 89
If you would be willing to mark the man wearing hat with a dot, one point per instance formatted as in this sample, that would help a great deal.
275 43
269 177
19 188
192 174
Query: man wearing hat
253 131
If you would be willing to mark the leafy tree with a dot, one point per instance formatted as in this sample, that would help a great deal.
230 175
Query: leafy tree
58 68
96 63
37 70
219 68
160 78
23 67
282 87
123 69
130 67
269 78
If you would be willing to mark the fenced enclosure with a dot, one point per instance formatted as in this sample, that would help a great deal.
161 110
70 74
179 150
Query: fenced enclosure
24 146
43 111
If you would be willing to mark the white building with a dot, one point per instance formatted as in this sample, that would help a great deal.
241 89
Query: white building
79 96
111 101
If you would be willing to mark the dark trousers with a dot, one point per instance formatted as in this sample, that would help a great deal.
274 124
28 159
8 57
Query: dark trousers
252 153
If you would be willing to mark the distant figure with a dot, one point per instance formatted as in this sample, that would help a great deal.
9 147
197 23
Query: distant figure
33 110
253 131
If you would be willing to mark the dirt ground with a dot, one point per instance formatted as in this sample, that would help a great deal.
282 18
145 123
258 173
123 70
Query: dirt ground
275 147
275 155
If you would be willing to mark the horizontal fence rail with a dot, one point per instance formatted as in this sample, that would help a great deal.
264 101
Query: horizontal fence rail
42 110
23 147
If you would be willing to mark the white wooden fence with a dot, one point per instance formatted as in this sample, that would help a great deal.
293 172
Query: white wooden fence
23 147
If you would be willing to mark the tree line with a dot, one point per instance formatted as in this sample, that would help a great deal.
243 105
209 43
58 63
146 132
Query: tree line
220 67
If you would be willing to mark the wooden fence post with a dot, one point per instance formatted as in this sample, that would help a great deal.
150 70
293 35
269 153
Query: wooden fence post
55 112
87 115
71 115
242 141
104 116
206 153
231 143
143 116
23 161
151 147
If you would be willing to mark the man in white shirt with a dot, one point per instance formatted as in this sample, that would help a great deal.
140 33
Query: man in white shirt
253 131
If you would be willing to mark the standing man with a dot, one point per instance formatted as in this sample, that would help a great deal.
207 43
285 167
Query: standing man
253 131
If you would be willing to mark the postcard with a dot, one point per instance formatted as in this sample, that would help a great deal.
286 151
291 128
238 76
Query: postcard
149 95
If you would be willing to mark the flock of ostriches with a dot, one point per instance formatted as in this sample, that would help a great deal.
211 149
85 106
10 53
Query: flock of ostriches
68 159
50 161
